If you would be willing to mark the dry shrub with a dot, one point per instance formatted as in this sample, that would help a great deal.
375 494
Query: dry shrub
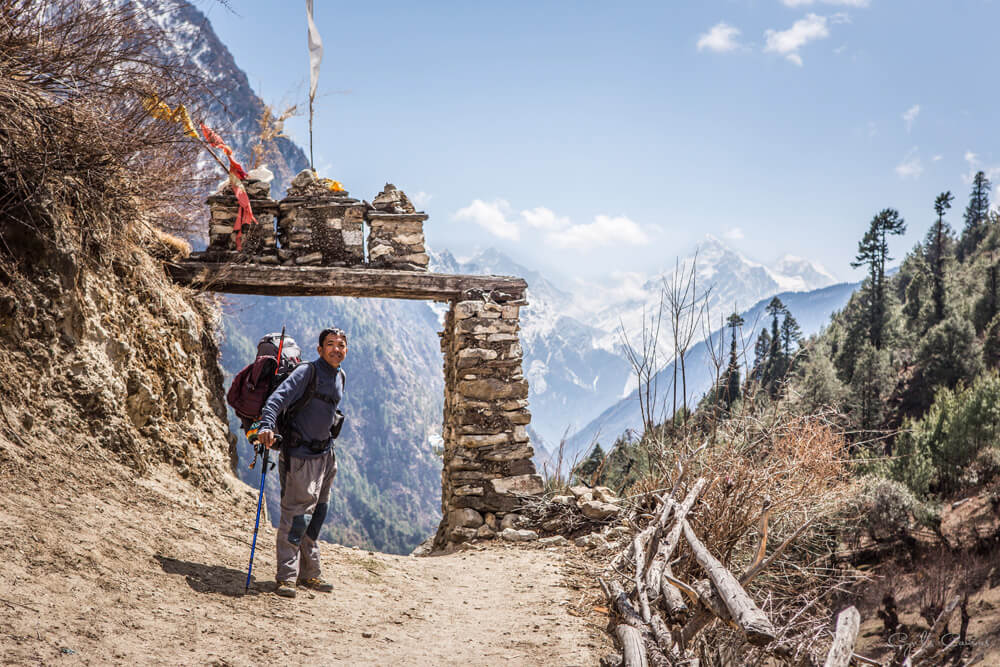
799 466
83 167
168 247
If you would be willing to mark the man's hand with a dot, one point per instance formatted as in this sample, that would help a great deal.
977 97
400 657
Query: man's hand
266 438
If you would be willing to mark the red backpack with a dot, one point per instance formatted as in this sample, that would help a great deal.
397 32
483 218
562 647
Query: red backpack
252 385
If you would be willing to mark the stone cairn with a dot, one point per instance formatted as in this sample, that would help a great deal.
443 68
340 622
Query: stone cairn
258 238
319 226
487 453
396 237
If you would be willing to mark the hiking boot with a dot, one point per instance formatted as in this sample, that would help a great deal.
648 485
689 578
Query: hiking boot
285 589
316 584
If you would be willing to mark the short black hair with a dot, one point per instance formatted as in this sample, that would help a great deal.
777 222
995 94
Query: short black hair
336 332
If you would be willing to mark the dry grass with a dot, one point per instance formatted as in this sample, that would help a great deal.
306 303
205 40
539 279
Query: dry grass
84 169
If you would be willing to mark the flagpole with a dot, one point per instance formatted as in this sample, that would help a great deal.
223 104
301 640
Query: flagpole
315 58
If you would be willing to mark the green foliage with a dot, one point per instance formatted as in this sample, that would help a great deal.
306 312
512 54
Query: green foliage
977 215
873 252
819 387
949 353
988 305
870 384
937 449
586 470
882 508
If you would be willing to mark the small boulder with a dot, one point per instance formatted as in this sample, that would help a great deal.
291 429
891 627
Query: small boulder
513 535
465 518
598 511
581 490
463 534
554 541
604 494
591 541
510 521
484 532
569 501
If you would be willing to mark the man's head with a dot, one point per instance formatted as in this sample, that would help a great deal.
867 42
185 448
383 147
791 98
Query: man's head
332 346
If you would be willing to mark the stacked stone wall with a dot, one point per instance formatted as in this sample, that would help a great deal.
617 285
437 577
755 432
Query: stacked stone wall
321 231
487 451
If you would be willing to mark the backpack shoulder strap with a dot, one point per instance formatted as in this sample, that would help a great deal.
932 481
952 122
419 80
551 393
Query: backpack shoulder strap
307 395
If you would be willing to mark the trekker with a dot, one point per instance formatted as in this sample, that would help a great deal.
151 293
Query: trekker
307 463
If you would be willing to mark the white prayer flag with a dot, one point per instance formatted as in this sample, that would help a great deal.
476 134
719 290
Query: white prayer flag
315 51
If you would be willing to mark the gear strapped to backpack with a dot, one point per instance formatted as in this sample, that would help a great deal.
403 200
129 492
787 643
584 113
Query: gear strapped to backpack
290 436
254 384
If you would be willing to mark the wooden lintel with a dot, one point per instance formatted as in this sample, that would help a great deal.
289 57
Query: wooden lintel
336 281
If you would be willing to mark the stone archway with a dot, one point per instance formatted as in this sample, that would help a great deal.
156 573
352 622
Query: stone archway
487 451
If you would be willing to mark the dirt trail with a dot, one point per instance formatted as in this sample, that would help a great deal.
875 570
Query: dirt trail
99 567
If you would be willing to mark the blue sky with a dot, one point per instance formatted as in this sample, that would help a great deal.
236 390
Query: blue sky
592 139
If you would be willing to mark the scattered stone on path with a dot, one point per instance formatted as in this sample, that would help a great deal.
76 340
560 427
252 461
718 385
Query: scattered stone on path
513 535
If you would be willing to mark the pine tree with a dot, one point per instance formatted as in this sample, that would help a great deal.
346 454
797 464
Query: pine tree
585 471
776 364
790 333
976 216
988 304
873 252
760 350
936 250
731 383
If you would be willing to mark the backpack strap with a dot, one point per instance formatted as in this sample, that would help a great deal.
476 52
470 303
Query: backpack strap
306 396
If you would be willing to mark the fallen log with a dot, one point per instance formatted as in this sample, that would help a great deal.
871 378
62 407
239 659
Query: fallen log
745 613
703 617
842 650
660 564
633 650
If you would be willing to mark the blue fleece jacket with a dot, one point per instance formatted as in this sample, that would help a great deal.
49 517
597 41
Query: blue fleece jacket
313 421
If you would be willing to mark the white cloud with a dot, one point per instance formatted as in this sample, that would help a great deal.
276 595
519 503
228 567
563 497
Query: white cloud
910 116
491 216
720 38
992 172
936 158
544 218
788 42
421 199
602 231
733 234
910 167
843 3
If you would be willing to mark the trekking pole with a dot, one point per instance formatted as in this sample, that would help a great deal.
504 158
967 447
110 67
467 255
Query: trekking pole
265 453
260 499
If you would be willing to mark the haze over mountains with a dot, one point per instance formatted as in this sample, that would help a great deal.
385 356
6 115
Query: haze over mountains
388 490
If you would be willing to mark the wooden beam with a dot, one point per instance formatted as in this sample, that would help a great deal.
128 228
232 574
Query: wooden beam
336 281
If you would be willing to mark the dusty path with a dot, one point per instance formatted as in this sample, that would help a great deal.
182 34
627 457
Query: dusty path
98 567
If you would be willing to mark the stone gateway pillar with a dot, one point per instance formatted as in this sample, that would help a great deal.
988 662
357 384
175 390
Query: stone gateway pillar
487 452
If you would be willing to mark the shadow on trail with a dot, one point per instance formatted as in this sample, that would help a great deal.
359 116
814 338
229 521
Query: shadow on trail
212 578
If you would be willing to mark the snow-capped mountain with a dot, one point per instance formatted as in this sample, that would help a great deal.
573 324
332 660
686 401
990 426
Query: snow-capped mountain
732 281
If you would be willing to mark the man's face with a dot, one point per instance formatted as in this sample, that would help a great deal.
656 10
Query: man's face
333 350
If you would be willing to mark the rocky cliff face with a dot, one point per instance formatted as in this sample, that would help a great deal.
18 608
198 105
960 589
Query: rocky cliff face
114 352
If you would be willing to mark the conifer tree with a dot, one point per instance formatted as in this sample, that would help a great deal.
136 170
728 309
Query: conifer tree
585 472
988 304
760 350
976 216
731 383
776 365
936 251
790 333
873 252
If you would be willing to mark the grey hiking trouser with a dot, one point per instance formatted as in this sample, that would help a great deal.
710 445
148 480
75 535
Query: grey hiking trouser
305 498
